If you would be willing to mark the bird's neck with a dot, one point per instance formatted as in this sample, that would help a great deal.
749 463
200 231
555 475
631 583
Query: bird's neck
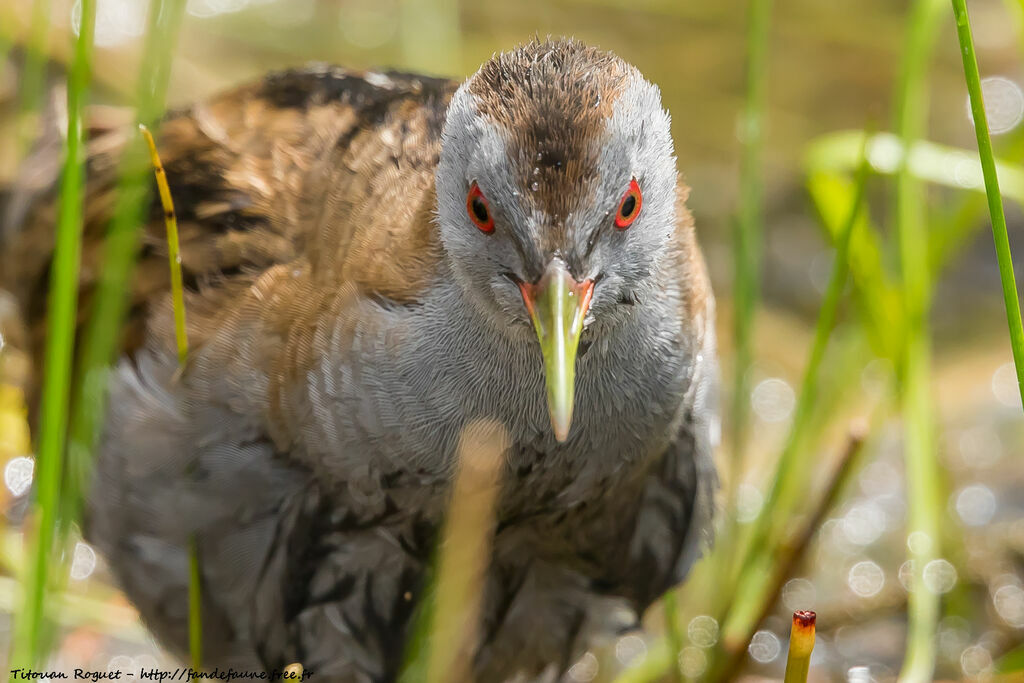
632 364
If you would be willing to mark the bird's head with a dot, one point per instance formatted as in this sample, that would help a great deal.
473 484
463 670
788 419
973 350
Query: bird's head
556 197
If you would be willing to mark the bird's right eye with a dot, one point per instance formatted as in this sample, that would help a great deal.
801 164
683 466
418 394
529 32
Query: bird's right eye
478 209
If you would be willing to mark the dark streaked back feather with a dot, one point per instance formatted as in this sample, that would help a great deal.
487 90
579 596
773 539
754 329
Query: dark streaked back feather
242 171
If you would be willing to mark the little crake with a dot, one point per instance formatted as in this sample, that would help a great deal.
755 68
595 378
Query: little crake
373 262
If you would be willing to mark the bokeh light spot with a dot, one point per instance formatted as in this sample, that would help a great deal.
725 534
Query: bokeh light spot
1004 385
919 542
83 561
1004 104
117 21
980 446
772 400
585 669
692 662
702 631
764 647
939 576
630 650
865 578
799 594
18 474
976 505
1009 603
975 661
864 523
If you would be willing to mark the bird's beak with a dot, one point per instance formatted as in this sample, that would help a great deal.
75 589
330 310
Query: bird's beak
558 304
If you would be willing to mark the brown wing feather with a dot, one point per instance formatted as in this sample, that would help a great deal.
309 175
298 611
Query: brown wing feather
321 164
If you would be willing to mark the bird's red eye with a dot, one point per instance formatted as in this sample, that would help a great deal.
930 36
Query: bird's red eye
629 206
478 209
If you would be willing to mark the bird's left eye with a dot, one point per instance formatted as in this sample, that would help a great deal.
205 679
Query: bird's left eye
629 206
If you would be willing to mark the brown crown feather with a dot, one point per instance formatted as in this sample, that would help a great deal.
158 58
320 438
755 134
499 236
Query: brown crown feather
553 99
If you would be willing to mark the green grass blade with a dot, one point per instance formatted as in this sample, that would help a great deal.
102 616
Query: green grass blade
995 202
748 230
99 341
789 477
100 338
747 264
828 161
878 296
924 509
919 448
929 161
59 352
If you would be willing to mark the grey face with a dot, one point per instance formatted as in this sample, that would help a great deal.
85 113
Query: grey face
553 181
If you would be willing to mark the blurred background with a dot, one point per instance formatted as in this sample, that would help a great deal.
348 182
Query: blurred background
832 69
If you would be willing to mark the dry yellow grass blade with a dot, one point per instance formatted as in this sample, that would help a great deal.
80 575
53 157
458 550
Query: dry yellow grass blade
465 552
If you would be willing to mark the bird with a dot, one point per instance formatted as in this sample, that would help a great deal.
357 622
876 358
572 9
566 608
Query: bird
373 262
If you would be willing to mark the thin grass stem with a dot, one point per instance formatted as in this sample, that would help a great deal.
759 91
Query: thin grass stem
801 645
173 247
27 645
911 225
924 510
995 201
195 608
749 221
747 265
195 594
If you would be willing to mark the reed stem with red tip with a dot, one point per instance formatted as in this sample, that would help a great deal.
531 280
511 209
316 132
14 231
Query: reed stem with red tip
801 645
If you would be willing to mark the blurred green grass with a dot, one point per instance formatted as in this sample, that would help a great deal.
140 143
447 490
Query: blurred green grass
31 636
